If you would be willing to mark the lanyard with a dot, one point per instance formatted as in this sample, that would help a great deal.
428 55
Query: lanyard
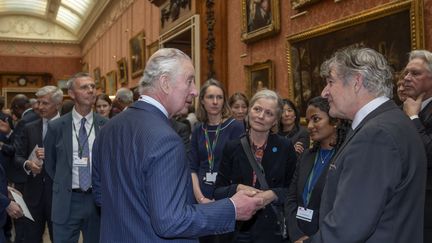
317 169
210 146
81 148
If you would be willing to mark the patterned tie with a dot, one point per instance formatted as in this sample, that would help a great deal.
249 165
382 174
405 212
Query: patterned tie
84 171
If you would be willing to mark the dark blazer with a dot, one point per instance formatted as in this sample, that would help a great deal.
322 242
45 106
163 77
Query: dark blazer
35 186
4 199
424 127
296 227
58 162
376 182
143 183
15 173
279 162
184 131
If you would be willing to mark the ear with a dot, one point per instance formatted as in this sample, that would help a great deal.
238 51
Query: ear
71 94
358 83
165 84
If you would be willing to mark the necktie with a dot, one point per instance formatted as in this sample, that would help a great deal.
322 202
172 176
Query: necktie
44 128
84 171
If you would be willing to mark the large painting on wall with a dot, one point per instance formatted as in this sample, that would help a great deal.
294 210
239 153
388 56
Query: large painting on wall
260 18
387 29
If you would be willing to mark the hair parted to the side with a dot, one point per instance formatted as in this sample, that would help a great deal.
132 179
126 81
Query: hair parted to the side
201 112
267 94
56 93
76 76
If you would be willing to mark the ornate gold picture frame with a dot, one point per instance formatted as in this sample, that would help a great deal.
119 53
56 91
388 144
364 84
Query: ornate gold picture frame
122 71
297 4
97 77
137 54
393 29
152 48
259 76
259 19
111 83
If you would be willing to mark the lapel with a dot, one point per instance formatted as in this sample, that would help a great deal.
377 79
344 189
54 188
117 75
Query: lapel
388 105
426 113
39 133
98 123
66 128
307 163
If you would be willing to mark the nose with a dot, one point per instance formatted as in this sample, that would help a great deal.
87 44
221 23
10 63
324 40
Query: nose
325 92
194 91
309 125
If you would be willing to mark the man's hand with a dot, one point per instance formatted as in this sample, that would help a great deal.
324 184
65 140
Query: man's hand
246 204
267 196
14 210
4 127
34 166
412 107
301 239
40 153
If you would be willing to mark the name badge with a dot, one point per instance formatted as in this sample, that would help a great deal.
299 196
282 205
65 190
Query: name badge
304 214
211 177
80 162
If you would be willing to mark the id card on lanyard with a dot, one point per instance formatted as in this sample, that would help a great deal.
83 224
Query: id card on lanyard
210 147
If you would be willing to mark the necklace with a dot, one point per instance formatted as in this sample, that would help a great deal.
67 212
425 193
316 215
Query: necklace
322 158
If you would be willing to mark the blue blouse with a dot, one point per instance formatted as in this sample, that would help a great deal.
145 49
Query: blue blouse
198 156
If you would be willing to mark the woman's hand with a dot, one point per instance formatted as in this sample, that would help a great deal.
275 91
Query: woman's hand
298 147
247 188
268 196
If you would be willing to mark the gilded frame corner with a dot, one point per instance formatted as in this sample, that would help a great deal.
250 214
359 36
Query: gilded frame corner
255 27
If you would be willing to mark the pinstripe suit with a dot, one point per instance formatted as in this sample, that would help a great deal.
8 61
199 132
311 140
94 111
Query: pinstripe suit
142 181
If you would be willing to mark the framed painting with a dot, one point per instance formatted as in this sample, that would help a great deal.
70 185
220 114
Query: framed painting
260 18
137 54
297 4
103 84
111 83
259 76
122 71
97 77
393 29
152 48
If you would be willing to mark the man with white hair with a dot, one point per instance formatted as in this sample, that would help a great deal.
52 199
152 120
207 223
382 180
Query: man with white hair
418 106
29 156
375 185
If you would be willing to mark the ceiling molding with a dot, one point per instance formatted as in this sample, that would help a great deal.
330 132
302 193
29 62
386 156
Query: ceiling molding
92 18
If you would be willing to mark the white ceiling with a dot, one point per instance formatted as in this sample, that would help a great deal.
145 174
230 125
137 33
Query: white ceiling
48 20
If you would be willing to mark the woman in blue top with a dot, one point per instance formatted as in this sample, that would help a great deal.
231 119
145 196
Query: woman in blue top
304 194
216 127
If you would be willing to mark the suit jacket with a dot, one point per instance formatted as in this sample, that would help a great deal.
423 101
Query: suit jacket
38 185
142 181
15 173
376 182
279 161
184 131
4 200
296 227
58 162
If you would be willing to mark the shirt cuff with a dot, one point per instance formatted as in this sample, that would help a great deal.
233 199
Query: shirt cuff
235 208
414 117
9 134
24 167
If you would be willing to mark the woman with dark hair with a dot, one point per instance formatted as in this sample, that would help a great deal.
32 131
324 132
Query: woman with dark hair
209 137
289 126
239 104
103 105
304 195
277 159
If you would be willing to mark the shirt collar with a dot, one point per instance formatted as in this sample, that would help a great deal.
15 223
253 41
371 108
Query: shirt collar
154 102
55 117
76 117
366 109
425 103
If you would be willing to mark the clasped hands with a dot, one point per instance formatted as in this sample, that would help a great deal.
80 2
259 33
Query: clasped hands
248 200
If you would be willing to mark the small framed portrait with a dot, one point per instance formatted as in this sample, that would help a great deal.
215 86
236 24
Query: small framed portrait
111 83
259 76
137 54
122 71
97 77
152 48
260 18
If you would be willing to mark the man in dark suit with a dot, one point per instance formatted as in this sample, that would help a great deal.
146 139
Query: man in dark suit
375 184
141 177
418 106
38 187
68 145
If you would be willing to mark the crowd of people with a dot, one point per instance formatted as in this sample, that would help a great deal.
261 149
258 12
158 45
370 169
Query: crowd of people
147 168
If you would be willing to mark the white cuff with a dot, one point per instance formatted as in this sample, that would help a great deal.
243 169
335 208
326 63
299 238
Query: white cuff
24 167
414 117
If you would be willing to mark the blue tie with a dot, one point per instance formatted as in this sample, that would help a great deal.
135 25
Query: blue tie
84 171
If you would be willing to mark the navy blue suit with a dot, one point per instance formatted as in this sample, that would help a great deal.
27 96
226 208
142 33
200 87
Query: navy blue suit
4 202
143 183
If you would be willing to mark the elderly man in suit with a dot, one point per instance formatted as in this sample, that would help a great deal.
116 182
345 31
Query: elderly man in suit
141 177
38 187
375 184
68 146
418 106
